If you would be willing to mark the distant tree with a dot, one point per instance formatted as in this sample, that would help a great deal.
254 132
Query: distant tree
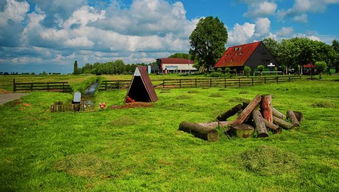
260 68
75 67
273 46
208 41
321 66
247 70
181 55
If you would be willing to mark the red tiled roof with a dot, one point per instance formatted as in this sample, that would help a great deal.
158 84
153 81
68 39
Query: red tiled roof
237 55
310 65
175 61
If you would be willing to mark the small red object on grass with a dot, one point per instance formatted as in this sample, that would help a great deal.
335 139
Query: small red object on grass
129 100
102 105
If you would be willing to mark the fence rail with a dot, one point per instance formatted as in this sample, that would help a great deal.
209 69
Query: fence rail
42 86
202 82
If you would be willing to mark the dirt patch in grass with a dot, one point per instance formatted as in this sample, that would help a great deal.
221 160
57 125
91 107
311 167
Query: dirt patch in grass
193 91
267 161
184 97
132 105
323 104
215 95
123 121
84 165
239 100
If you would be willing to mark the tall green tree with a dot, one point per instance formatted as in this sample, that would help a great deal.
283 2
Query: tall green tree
321 66
181 55
75 68
208 41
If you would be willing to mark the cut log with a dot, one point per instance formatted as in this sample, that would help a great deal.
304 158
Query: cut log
214 125
242 130
299 115
278 113
248 110
229 113
260 127
199 131
273 127
282 123
291 115
266 107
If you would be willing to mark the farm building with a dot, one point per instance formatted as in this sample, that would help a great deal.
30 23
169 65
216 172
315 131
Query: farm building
252 55
174 65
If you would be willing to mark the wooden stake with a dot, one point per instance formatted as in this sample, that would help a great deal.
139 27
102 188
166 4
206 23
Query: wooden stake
248 110
199 131
291 115
266 107
259 123
229 113
278 113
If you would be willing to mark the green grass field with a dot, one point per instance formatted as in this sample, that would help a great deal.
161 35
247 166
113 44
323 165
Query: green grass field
141 149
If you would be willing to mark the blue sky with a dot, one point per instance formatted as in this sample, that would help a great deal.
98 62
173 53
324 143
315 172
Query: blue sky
40 35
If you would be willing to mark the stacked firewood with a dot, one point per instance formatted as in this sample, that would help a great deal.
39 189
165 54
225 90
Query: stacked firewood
255 118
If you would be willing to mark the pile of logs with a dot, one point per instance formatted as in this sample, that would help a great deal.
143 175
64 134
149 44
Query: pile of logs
256 118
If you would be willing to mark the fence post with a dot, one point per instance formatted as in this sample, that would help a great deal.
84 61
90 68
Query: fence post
239 82
252 82
106 85
264 80
163 83
180 83
31 86
289 78
14 86
47 86
196 83
118 84
63 86
211 82
277 79
225 82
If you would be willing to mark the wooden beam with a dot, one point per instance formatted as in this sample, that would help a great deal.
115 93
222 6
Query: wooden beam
266 107
260 127
224 116
248 110
199 131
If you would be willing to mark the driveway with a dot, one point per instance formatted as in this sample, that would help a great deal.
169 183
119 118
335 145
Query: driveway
4 98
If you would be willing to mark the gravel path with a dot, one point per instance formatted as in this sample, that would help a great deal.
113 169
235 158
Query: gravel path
4 98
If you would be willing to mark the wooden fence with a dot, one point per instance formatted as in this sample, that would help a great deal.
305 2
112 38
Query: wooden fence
202 82
42 86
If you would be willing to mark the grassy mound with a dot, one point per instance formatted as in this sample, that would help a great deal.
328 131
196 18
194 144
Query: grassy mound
267 161
323 104
123 121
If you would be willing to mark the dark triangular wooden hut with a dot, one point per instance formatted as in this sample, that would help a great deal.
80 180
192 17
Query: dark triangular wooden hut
141 88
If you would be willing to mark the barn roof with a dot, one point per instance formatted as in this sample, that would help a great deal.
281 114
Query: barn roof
175 61
237 55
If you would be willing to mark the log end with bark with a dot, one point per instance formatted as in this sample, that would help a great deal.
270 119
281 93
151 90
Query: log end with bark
242 130
229 113
260 127
199 131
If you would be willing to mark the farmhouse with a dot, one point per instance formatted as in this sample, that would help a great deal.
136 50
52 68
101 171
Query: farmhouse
174 65
252 55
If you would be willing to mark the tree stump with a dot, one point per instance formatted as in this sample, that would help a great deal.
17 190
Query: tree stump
266 107
199 131
259 123
299 115
242 130
229 113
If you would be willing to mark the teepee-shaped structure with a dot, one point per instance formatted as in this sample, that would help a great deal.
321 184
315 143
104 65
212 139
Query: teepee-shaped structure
141 88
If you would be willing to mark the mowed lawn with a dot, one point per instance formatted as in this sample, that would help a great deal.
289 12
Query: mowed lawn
141 149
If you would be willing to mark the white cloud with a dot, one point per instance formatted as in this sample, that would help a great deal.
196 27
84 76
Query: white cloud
262 26
83 16
260 8
14 11
241 34
285 32
301 18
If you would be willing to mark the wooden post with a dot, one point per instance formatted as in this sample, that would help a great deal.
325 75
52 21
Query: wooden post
229 113
278 113
63 87
199 131
291 115
47 86
242 130
31 86
282 123
265 80
106 85
252 81
118 84
196 83
266 106
239 82
277 79
14 85
180 83
225 83
248 110
259 123
211 82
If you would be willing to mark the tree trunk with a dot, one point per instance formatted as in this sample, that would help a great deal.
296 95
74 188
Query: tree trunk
282 123
248 110
199 131
278 113
229 113
266 106
291 115
214 125
259 123
242 130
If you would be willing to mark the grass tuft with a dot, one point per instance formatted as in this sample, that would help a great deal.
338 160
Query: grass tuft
324 104
193 91
215 95
267 161
238 100
124 121
184 97
243 92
